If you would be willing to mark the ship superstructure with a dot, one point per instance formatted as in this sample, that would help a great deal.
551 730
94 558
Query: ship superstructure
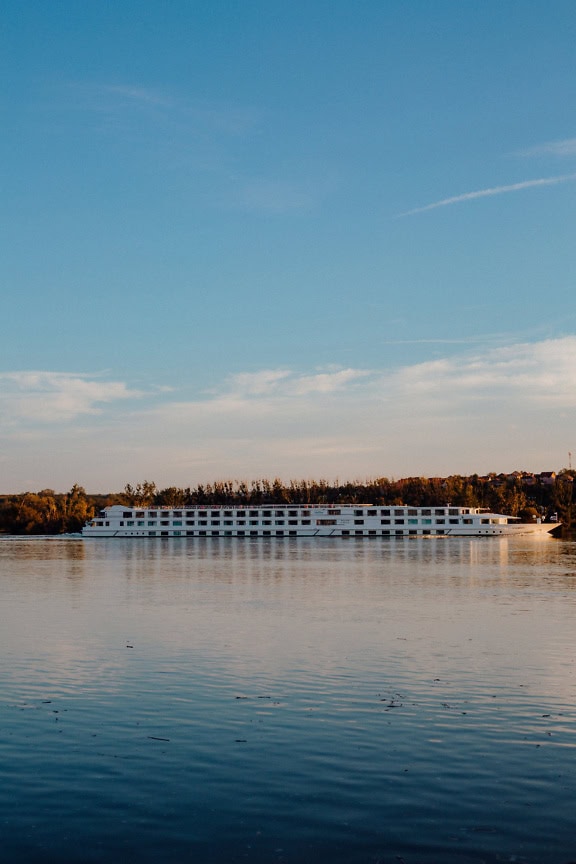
345 520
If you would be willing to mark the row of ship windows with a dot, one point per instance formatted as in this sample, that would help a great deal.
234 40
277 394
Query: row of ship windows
216 522
141 514
343 533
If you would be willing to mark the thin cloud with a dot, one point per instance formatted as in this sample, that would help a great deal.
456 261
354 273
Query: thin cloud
56 397
284 383
496 409
494 190
566 147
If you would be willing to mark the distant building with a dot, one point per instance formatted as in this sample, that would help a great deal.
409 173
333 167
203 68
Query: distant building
547 478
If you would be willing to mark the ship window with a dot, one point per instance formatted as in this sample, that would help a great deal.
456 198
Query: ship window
228 522
241 513
371 512
266 513
399 512
189 533
228 533
385 531
227 513
361 533
127 514
165 513
215 522
334 512
151 533
371 532
325 522
412 512
359 521
253 512
165 522
453 521
412 532
279 513
345 533
426 531
412 521
164 533
305 522
177 522
385 512
266 522
141 522
426 521
293 533
467 521
253 533
152 514
215 513
121 523
140 514
266 533
190 521
215 533
292 522
358 512
202 533
453 512
398 521
385 521
426 512
241 533
177 513
399 532
130 522
440 521
305 513
190 513
202 522
440 531
439 512
177 533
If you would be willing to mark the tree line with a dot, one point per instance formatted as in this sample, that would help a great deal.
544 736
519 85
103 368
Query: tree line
49 512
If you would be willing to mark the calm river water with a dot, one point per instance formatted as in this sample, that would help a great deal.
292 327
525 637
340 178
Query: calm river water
293 701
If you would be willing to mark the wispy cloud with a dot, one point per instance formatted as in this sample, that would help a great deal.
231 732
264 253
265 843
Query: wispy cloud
269 195
494 190
195 137
496 409
128 103
56 397
285 383
566 147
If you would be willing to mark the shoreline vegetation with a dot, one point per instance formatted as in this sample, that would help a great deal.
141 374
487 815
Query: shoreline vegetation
528 496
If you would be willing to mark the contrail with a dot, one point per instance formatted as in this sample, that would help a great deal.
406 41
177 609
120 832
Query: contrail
495 190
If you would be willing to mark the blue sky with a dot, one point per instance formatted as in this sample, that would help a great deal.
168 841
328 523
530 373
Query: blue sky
322 239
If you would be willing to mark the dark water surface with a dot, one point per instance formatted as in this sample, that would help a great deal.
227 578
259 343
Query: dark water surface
288 701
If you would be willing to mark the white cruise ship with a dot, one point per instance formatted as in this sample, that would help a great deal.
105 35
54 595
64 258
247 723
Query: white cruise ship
345 520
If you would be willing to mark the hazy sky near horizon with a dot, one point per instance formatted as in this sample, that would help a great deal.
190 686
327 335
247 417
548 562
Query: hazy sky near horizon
261 238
